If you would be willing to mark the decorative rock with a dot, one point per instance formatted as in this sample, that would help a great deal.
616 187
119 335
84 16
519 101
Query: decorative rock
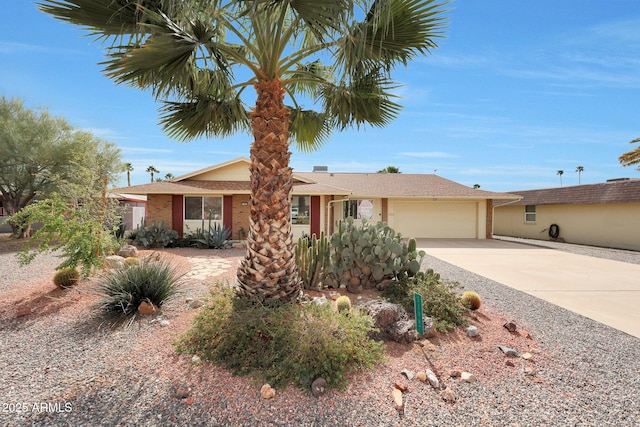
196 359
333 295
455 372
422 376
182 392
509 363
472 331
433 379
320 300
510 326
525 334
508 351
267 392
402 387
195 304
407 373
128 251
146 308
470 378
397 399
318 387
164 322
529 371
23 312
447 395
527 356
114 261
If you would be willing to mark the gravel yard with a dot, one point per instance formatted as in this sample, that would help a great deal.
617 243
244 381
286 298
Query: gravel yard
59 365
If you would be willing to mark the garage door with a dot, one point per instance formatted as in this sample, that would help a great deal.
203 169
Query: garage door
436 220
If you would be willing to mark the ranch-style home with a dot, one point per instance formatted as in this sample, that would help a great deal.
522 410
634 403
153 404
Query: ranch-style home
416 205
605 214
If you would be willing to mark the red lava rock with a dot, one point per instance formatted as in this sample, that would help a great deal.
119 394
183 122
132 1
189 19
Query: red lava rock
145 308
189 401
23 312
402 387
510 326
455 373
509 363
525 334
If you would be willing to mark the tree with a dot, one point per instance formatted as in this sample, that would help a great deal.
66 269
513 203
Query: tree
40 154
390 169
197 57
560 173
632 157
169 177
152 170
476 186
129 168
579 169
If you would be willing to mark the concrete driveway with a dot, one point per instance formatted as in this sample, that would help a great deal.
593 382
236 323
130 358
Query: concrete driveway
603 290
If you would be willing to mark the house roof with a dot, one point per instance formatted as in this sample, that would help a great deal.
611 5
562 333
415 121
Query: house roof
615 191
318 183
400 185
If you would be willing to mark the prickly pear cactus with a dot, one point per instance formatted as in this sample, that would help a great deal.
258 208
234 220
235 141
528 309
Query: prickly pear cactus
363 255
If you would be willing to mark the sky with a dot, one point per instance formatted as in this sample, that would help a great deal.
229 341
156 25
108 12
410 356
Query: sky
515 92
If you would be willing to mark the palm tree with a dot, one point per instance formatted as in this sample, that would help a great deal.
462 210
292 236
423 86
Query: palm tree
168 177
152 170
129 168
579 169
560 172
631 157
194 56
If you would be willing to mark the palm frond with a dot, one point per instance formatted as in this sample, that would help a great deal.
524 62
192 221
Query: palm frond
309 129
632 157
205 116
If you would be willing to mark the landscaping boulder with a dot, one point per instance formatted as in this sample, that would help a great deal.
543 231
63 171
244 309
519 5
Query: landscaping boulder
128 251
114 261
394 323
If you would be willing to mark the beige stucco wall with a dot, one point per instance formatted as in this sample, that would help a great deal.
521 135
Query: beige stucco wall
233 172
606 225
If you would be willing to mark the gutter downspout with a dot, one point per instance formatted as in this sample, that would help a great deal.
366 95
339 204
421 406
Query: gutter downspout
326 223
493 211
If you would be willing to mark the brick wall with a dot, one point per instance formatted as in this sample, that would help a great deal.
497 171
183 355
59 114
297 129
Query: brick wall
240 216
159 208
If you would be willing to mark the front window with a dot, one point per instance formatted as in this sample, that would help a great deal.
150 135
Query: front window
358 209
530 213
300 209
203 207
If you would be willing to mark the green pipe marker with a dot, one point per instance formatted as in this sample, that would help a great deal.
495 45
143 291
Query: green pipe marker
417 309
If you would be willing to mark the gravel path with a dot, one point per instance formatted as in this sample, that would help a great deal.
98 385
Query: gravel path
66 369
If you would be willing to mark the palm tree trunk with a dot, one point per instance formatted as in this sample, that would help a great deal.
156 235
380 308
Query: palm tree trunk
268 272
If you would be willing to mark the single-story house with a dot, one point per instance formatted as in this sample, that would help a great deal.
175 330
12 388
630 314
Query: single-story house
134 208
416 205
605 214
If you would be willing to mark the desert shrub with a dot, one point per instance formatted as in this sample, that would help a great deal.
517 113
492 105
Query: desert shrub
288 344
66 278
439 299
123 289
155 235
217 237
471 300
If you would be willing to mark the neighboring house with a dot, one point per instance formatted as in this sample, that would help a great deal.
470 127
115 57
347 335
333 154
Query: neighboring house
605 214
134 209
416 205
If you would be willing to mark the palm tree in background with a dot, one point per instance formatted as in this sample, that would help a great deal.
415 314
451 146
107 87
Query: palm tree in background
579 169
168 177
560 173
152 170
632 157
129 168
198 57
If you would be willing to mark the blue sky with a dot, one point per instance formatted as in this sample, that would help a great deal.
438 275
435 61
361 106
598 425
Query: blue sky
515 92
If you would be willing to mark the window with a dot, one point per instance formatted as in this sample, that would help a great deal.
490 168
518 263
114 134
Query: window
530 213
201 207
358 209
300 209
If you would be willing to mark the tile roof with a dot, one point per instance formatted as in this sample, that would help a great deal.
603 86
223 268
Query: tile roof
622 191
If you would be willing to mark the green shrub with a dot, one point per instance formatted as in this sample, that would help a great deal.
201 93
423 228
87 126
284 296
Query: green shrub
471 300
66 278
439 299
155 235
123 289
289 344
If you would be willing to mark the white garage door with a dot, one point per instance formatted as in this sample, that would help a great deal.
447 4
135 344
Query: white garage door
436 220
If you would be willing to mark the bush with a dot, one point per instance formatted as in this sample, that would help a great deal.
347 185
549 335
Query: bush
123 289
289 344
439 299
66 278
155 235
